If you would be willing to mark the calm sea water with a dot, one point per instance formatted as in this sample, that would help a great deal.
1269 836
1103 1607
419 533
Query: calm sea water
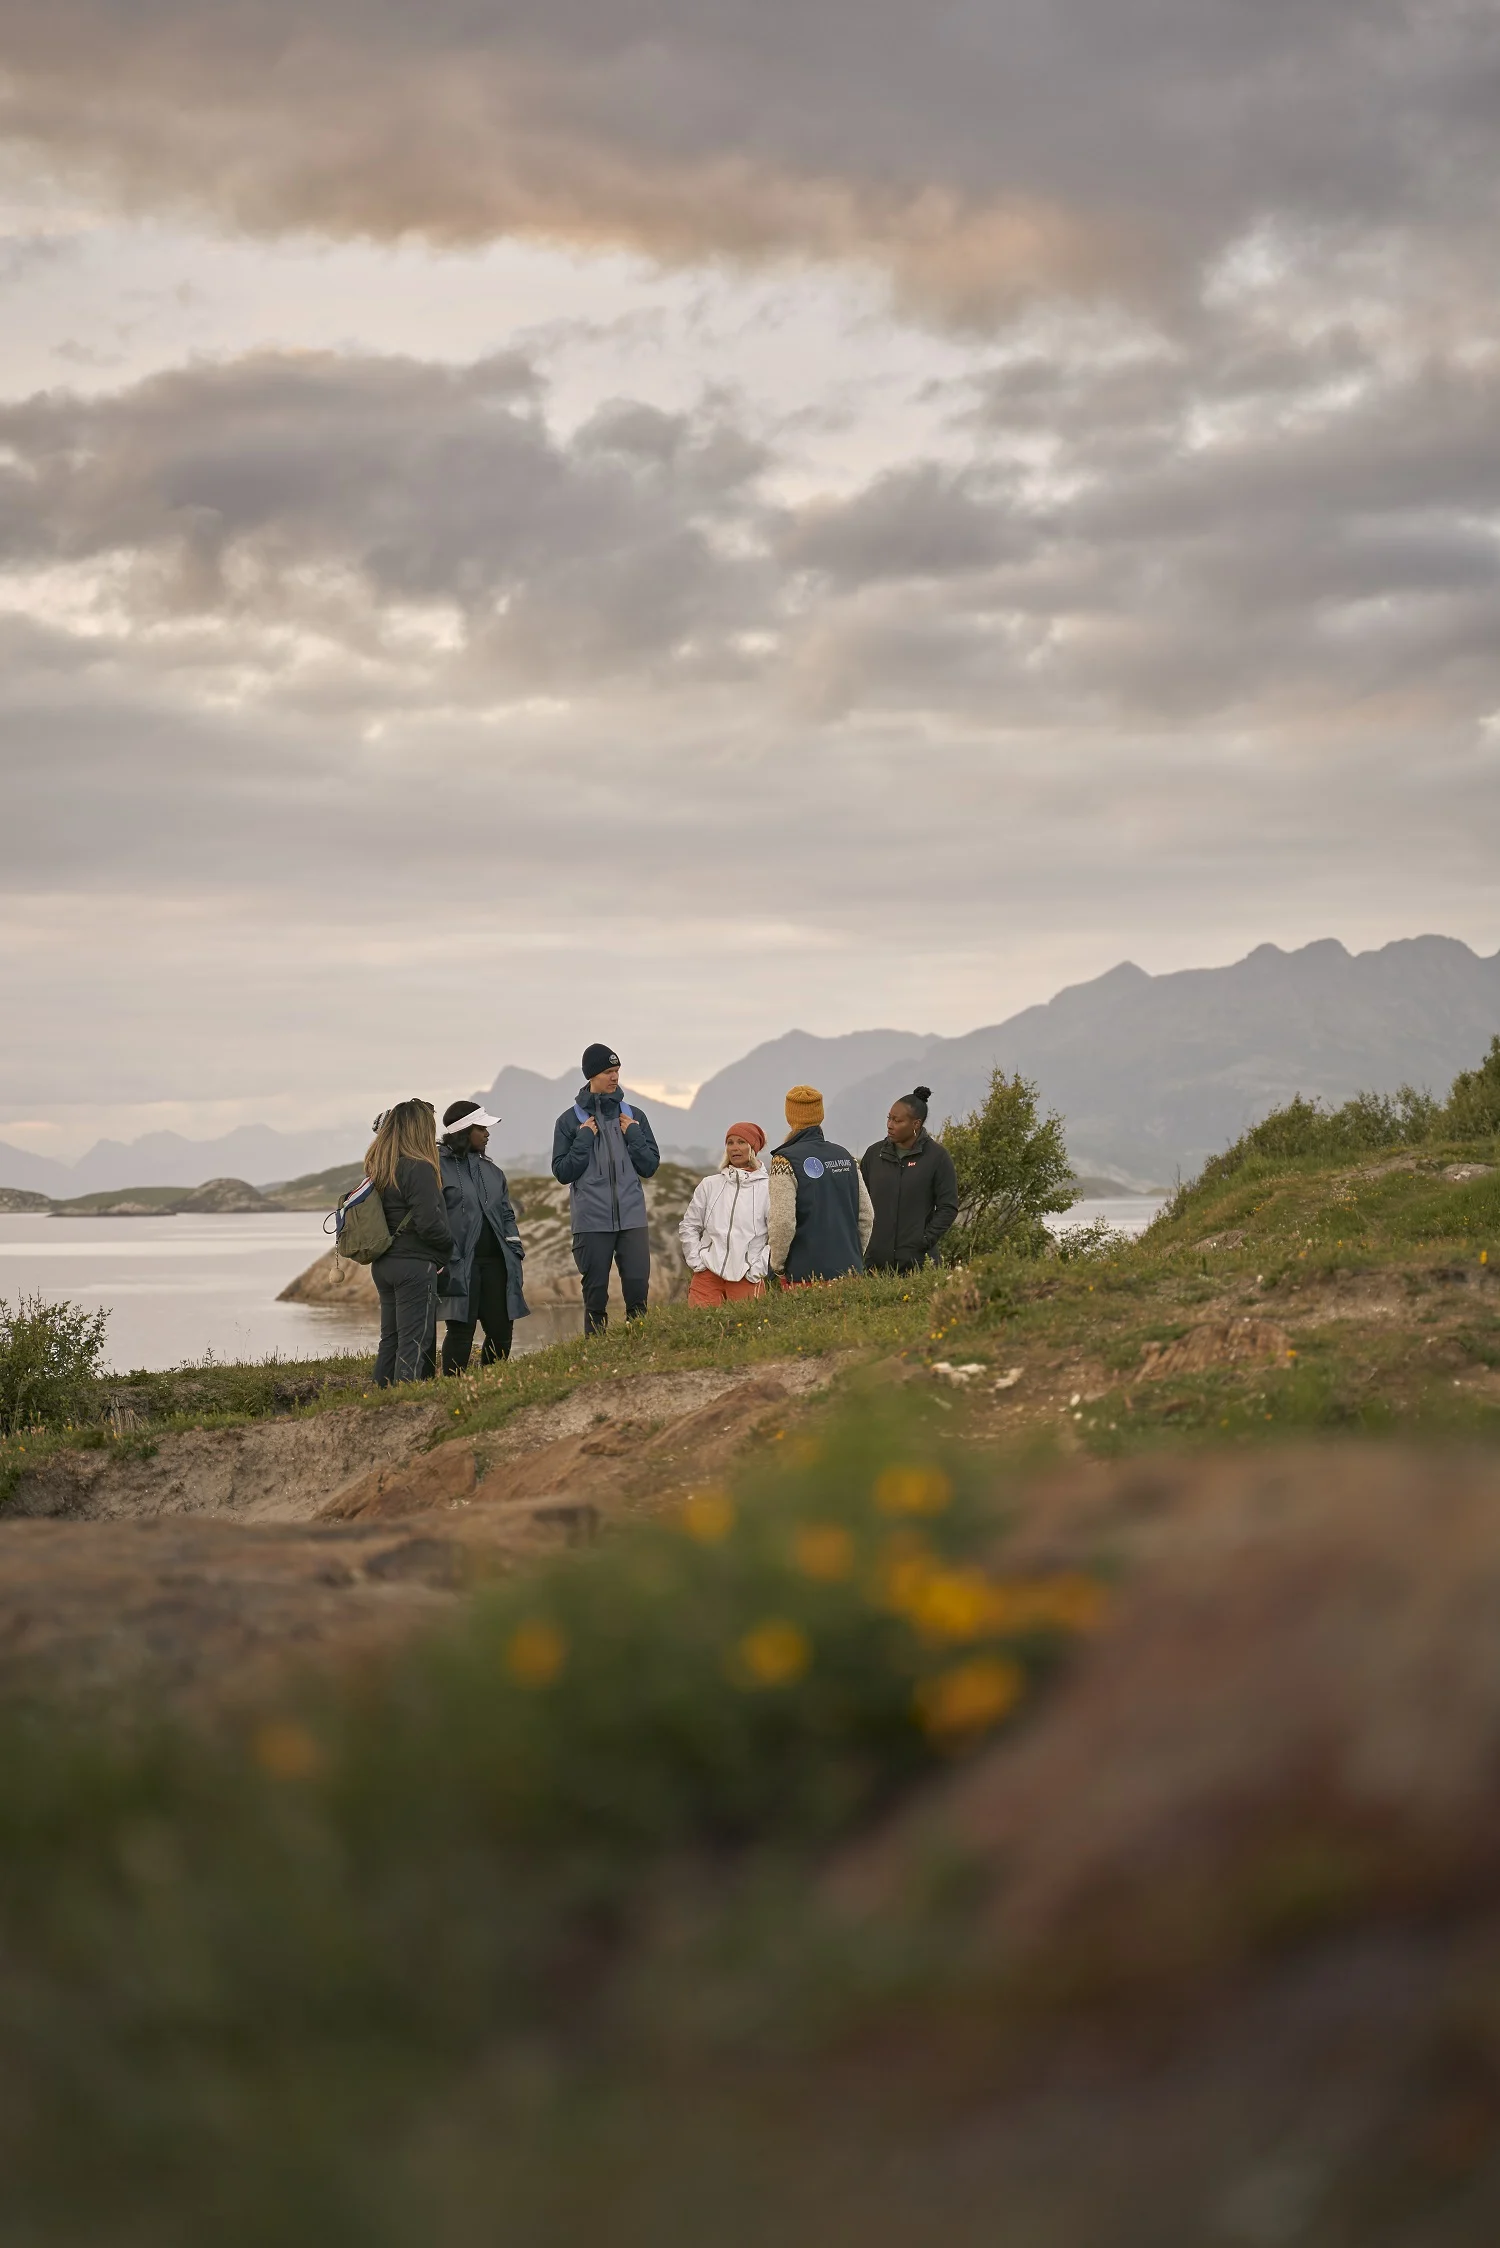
178 1288
1129 1213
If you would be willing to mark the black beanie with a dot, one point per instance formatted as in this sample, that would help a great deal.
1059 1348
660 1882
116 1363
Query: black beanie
597 1059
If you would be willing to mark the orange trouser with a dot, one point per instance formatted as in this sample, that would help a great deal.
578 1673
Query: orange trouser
708 1288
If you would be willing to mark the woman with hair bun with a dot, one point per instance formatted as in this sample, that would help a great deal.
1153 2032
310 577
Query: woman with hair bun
913 1186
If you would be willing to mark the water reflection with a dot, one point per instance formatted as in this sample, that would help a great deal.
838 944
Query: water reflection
177 1289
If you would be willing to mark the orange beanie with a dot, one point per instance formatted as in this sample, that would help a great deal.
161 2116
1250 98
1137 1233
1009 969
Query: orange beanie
804 1105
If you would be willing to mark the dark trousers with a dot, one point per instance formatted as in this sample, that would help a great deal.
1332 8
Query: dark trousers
594 1253
489 1300
407 1287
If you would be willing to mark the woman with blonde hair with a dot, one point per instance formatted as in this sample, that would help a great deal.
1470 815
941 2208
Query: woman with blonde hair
402 1164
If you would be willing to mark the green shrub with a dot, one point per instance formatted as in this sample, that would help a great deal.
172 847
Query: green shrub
1405 1118
50 1357
1473 1110
1369 1121
1080 1244
1012 1171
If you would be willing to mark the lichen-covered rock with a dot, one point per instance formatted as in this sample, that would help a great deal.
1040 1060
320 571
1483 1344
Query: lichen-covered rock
15 1201
334 1284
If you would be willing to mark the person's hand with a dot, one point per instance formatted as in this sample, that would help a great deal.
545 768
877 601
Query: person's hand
626 1122
590 1126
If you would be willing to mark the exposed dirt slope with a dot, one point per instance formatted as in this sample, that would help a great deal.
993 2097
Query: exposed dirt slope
228 1549
263 1471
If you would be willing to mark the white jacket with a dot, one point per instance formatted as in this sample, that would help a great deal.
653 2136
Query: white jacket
726 1228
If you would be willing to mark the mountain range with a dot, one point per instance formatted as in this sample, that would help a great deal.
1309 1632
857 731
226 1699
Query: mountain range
1152 1073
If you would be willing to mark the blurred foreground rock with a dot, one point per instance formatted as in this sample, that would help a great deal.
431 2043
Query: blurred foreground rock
1292 1720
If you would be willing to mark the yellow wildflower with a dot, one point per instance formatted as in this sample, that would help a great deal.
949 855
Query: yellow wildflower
954 1604
536 1654
823 1550
708 1515
774 1653
912 1490
287 1750
960 1703
903 1567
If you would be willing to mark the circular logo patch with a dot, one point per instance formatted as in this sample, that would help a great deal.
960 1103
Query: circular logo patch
812 1168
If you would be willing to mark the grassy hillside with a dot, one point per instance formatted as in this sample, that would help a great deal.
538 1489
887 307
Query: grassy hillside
652 1900
316 1190
1374 1278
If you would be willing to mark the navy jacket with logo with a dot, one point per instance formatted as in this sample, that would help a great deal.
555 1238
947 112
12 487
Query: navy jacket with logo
826 1243
603 1170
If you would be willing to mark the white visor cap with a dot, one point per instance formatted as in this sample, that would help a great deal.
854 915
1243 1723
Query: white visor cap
467 1123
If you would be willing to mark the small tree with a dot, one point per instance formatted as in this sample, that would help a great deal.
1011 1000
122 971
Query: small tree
49 1361
1473 1110
1012 1170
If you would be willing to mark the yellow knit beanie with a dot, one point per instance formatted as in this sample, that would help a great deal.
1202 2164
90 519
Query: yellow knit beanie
804 1105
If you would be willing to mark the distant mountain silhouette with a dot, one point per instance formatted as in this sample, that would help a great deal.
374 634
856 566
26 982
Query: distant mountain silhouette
528 1105
252 1151
1156 1073
1152 1073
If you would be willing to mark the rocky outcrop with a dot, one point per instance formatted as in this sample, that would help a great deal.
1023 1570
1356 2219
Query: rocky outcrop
126 1207
216 1197
334 1284
551 1276
16 1202
225 1198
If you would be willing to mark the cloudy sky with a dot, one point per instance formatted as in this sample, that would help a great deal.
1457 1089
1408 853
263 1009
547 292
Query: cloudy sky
668 519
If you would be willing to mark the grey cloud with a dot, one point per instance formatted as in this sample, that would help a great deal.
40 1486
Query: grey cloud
347 536
1310 558
979 151
916 522
233 492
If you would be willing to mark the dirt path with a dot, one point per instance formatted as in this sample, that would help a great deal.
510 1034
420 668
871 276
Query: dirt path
228 1551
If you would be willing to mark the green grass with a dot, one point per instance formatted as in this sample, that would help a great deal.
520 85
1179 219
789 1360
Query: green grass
316 1190
1307 1223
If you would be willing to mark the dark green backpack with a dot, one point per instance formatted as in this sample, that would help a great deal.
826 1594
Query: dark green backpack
360 1231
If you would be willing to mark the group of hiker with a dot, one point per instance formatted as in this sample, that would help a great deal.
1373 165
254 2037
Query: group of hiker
808 1215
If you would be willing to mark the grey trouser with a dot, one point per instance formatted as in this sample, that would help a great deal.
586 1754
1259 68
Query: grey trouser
594 1253
407 1287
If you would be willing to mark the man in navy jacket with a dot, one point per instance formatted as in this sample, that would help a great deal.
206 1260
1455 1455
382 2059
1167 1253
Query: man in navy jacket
602 1148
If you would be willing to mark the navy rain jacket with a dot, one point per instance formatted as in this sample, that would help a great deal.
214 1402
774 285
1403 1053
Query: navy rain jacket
475 1189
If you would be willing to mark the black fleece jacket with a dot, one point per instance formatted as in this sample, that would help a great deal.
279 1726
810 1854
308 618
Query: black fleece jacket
915 1193
417 1194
